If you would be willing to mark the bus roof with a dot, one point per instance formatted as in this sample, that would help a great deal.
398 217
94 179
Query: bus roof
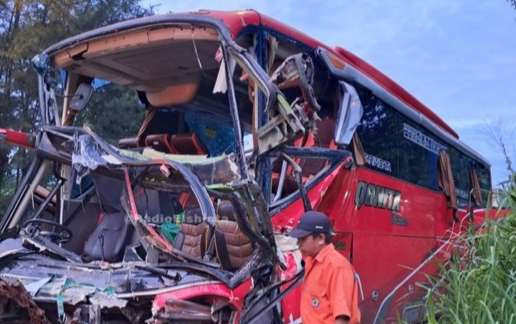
236 21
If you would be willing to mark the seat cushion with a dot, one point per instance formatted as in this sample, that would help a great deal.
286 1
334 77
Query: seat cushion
108 239
195 239
160 142
186 144
232 246
108 191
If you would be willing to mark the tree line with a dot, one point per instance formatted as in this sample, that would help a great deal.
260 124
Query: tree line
26 28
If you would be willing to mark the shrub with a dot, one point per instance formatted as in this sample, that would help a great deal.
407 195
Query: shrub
479 285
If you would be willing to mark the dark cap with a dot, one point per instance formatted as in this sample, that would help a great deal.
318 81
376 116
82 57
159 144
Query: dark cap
312 222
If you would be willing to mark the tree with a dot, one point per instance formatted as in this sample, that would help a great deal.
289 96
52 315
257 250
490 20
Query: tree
26 28
499 134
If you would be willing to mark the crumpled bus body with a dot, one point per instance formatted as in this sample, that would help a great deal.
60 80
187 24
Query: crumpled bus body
248 123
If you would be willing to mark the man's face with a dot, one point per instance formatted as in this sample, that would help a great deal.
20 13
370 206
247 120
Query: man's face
310 245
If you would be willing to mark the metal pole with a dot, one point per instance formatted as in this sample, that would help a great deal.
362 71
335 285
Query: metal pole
27 195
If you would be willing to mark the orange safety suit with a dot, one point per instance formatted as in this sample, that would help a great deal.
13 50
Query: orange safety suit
329 289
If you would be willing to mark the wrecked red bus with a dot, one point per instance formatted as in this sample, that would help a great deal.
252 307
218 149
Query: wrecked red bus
248 123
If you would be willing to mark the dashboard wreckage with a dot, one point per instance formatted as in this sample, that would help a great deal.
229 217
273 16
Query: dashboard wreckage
247 124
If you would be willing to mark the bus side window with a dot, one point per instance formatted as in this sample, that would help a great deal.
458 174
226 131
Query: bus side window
397 146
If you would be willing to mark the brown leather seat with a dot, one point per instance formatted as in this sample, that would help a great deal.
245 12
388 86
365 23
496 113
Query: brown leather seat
233 248
195 241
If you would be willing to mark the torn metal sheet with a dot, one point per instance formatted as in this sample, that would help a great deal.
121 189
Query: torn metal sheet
123 279
104 300
221 84
298 71
86 153
285 125
289 120
44 245
11 246
34 287
75 295
176 309
41 63
221 169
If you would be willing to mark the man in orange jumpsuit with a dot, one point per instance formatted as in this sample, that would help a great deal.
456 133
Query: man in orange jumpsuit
329 292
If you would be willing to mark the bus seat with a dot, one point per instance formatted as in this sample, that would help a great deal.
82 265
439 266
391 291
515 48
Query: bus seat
232 247
193 239
108 239
109 190
160 142
139 139
187 144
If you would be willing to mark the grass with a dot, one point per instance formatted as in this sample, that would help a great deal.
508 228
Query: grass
479 286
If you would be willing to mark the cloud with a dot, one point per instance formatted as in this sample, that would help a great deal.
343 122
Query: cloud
466 123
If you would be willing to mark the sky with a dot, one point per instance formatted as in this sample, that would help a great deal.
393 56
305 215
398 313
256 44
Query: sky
458 57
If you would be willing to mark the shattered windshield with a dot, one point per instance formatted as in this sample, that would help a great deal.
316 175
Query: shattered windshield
111 103
168 92
142 155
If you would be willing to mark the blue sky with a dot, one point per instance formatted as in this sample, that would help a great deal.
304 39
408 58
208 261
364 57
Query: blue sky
458 57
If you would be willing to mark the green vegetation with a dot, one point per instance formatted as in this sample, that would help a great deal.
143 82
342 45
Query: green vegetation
26 28
109 105
479 286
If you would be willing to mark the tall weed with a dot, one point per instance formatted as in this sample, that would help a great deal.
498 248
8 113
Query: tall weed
478 285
